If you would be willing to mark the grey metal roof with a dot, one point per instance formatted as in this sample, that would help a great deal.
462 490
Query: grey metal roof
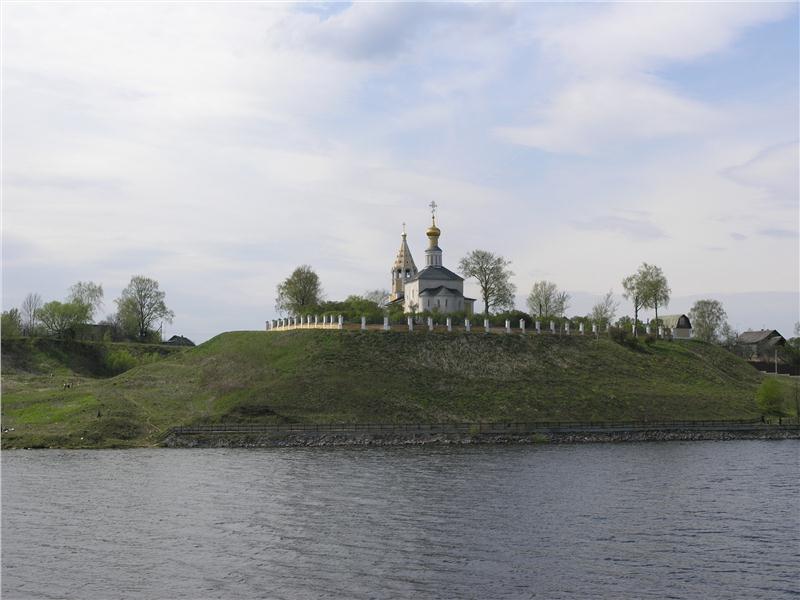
756 337
436 273
438 290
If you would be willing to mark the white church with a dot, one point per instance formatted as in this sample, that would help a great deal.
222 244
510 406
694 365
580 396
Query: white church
433 289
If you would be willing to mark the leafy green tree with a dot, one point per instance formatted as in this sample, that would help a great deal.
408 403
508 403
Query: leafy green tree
654 287
546 300
299 293
63 319
604 311
493 276
707 317
30 307
636 291
769 398
88 293
140 305
11 324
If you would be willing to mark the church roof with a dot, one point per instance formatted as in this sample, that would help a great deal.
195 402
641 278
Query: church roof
438 290
404 261
436 273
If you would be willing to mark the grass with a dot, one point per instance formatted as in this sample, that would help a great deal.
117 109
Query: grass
319 376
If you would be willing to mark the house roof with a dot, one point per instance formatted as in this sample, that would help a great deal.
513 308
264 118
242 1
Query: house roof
671 321
757 337
436 273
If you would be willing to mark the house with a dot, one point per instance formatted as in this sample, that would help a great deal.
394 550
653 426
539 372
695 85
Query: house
680 325
759 345
179 340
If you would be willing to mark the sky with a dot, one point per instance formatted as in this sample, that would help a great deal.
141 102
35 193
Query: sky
215 147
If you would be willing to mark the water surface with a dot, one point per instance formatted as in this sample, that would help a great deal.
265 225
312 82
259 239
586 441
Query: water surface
651 520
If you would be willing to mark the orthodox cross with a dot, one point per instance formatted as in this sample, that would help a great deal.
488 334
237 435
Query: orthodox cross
433 208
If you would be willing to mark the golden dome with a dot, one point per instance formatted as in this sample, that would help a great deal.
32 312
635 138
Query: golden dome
433 230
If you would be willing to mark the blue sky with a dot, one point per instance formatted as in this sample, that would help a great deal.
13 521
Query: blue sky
215 147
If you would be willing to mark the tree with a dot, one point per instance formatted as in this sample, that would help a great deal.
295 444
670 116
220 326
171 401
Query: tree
88 293
300 292
141 304
707 317
30 308
635 291
545 300
11 324
769 398
63 318
493 276
604 311
379 297
654 287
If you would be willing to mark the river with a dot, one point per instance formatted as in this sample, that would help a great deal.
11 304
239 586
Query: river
637 520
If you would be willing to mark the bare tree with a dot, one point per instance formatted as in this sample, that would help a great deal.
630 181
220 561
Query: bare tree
379 297
30 308
493 276
604 311
546 300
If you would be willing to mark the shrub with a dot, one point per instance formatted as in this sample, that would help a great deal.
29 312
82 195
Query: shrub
119 361
624 338
769 397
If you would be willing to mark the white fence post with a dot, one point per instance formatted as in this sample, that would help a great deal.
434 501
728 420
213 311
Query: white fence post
341 322
552 327
566 327
647 329
538 327
467 325
363 323
522 325
449 324
508 326
411 323
386 324
580 328
430 323
486 325
660 331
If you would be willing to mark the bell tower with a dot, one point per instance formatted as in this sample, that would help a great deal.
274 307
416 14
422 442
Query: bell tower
403 268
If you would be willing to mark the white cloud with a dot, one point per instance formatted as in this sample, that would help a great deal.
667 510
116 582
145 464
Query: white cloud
776 170
598 116
610 94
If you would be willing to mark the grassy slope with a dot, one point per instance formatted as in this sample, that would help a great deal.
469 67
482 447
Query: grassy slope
332 376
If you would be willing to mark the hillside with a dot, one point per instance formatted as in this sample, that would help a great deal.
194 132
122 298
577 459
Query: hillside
347 377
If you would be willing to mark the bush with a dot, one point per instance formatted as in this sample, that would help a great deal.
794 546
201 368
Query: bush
769 397
119 361
624 338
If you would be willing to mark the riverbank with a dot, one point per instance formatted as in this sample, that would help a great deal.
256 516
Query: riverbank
56 396
354 438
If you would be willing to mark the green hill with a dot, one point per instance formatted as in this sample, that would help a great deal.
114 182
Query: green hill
320 376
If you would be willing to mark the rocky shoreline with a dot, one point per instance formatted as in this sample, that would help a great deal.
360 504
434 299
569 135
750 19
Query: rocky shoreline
314 439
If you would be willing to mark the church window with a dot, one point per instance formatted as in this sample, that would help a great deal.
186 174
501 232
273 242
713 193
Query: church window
445 301
437 302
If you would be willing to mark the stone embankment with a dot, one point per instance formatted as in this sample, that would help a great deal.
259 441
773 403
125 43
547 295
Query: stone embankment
360 439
